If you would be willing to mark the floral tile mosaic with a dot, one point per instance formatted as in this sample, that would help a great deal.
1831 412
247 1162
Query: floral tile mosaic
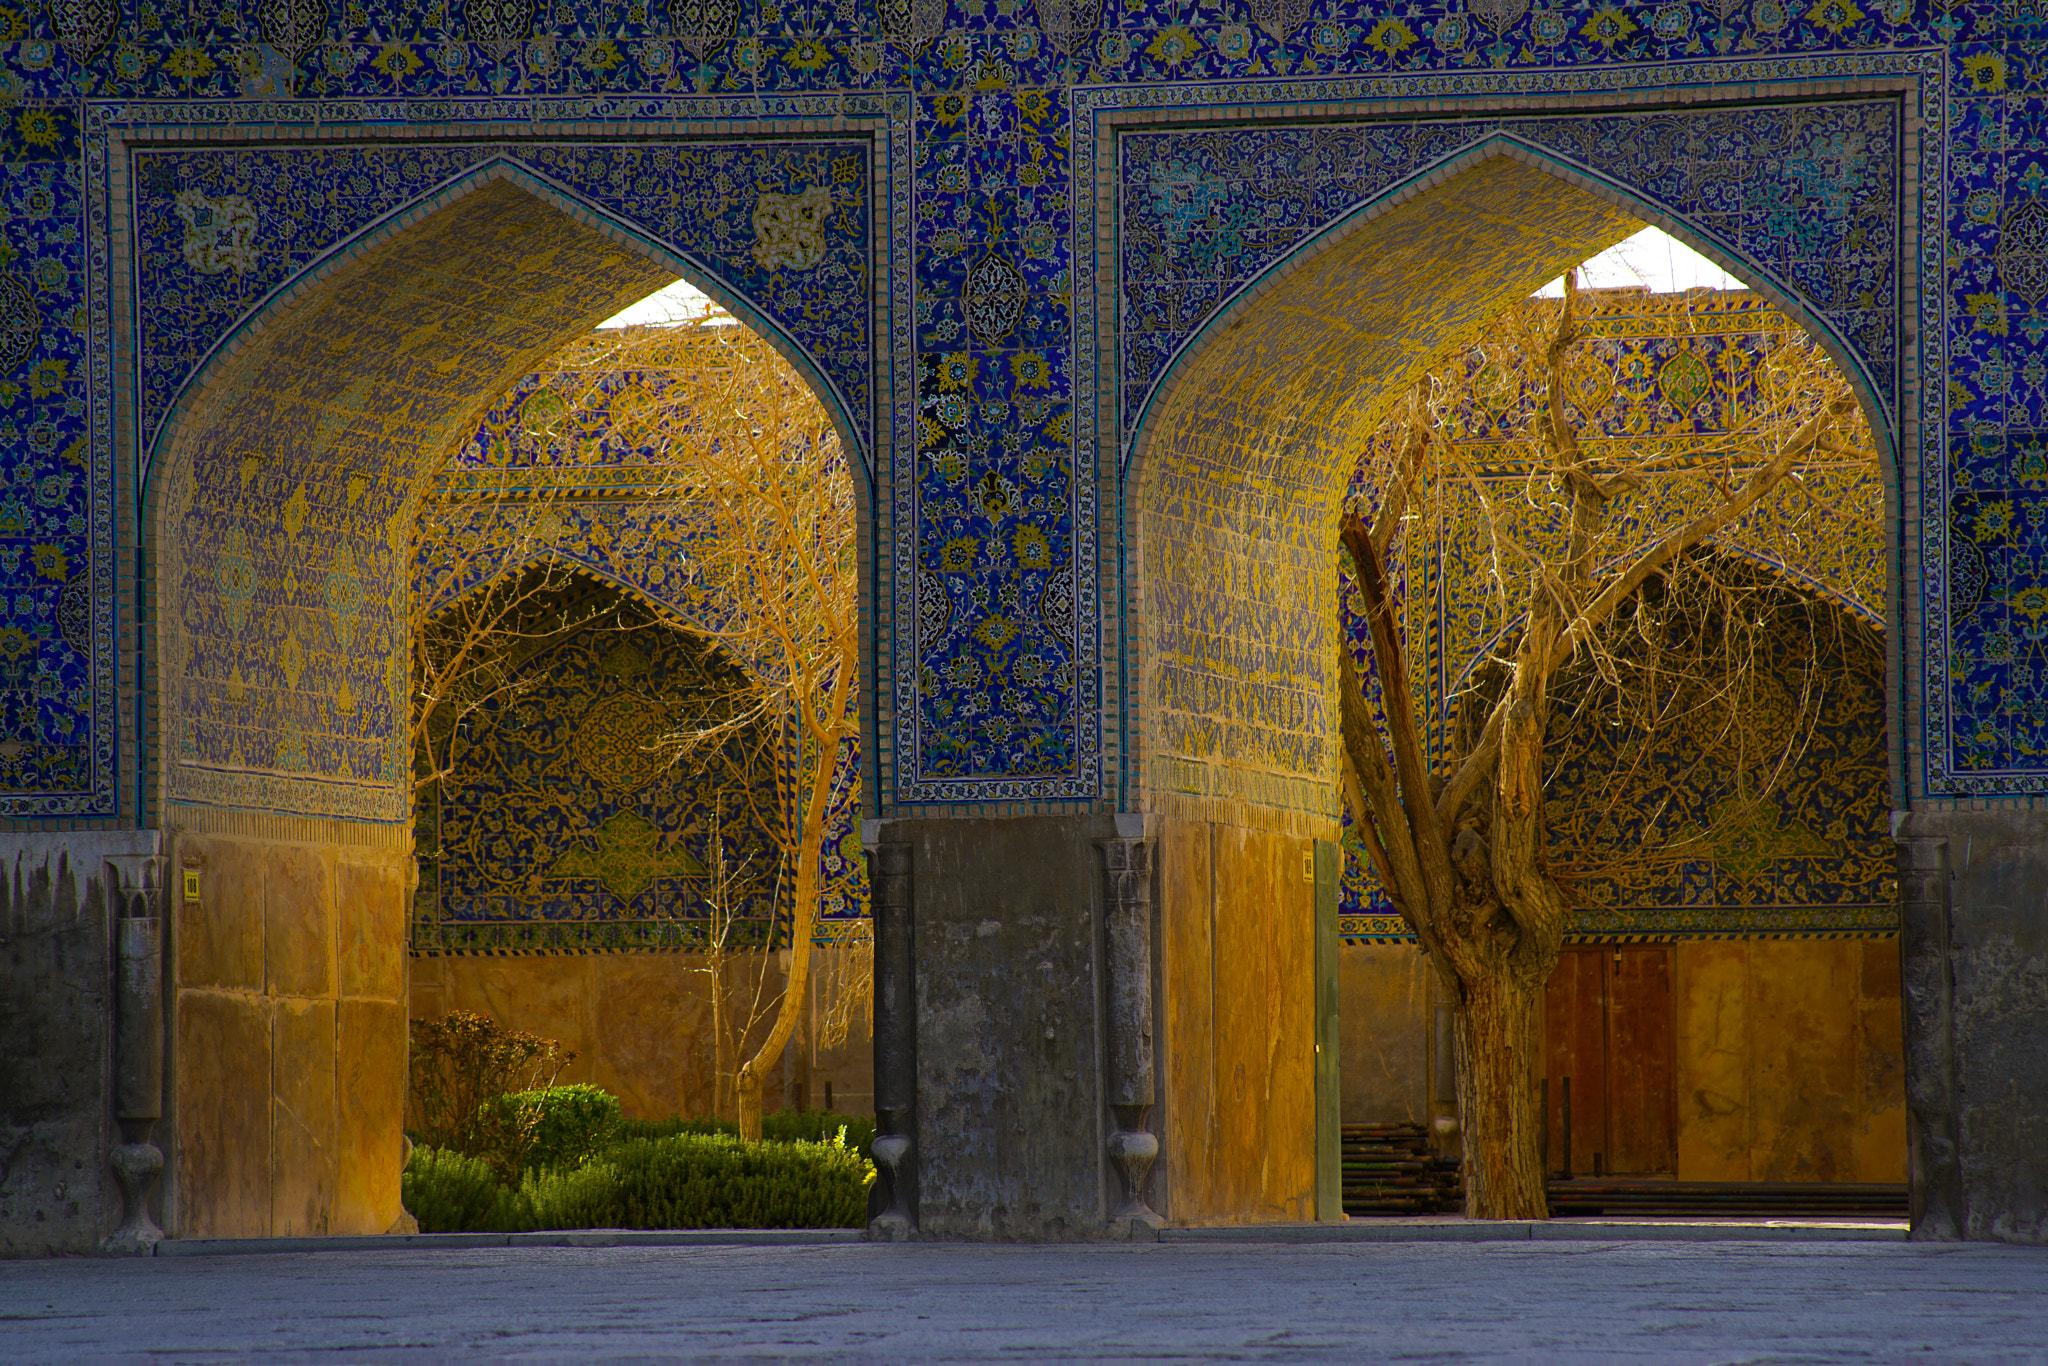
991 661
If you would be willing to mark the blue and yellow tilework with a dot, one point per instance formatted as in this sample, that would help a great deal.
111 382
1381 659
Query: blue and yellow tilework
1878 164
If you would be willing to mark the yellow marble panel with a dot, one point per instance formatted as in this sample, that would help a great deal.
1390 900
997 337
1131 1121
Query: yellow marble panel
369 1142
1189 1119
1711 984
303 1152
222 1108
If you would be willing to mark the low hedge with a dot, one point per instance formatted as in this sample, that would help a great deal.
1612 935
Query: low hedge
683 1180
784 1126
449 1193
555 1127
700 1181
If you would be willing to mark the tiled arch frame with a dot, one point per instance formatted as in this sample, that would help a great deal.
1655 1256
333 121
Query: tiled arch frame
276 309
1905 419
865 427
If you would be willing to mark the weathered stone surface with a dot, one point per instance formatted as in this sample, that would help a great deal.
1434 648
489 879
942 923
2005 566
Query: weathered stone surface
1010 1123
298 922
303 1130
640 1023
1711 982
652 1043
370 931
1991 1069
1186 1176
221 1097
369 1088
1265 1027
56 1023
287 1083
220 935
1238 988
1788 1055
1716 1301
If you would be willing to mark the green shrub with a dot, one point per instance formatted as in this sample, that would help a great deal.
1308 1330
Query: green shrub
462 1060
557 1126
447 1192
636 1129
819 1126
786 1126
698 1181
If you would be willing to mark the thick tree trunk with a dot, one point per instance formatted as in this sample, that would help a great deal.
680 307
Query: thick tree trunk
1496 1033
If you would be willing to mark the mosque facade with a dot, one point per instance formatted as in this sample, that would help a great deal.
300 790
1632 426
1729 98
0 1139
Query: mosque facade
1094 295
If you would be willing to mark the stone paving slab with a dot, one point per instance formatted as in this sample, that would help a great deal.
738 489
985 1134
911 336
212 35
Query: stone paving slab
584 1237
1449 1228
1441 1301
1455 1229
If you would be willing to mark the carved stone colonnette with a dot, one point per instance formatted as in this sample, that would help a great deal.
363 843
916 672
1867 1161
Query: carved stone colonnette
892 1210
1127 934
138 1048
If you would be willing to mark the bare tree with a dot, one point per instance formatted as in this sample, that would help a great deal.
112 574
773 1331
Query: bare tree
724 426
703 416
1460 844
488 590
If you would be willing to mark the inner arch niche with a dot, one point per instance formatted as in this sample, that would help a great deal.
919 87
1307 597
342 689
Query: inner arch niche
1244 446
281 513
284 511
1237 472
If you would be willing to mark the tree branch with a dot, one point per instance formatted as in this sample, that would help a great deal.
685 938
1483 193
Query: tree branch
1767 477
1397 706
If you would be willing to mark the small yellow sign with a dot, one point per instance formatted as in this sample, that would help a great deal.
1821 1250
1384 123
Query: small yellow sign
1308 865
192 884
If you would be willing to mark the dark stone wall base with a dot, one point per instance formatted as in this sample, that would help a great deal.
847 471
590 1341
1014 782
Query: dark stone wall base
1010 1108
57 990
1974 953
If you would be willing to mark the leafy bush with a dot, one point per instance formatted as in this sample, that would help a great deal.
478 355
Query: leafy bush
820 1126
683 1181
462 1061
631 1130
699 1181
557 1126
788 1126
447 1192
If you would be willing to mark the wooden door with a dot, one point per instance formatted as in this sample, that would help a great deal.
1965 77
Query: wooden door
1642 1095
1575 1040
1609 1029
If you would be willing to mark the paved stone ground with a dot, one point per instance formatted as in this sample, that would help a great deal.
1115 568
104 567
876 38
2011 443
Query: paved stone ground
1745 1302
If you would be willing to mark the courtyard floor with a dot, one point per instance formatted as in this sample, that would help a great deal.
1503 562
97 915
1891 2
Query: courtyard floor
1715 1301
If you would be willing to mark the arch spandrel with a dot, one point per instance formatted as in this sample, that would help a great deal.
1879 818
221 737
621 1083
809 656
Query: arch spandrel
285 517
1243 462
1802 203
778 233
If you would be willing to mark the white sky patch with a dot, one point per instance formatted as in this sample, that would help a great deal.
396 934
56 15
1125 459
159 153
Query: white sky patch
681 302
1652 257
